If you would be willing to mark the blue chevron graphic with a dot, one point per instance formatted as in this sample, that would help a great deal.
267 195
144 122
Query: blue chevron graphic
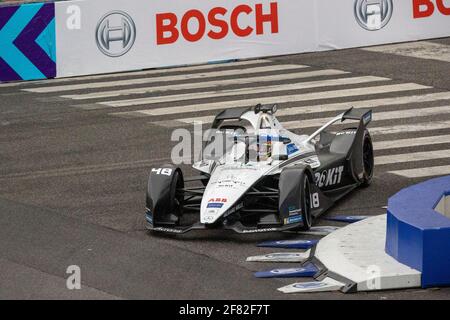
27 42
43 41
9 52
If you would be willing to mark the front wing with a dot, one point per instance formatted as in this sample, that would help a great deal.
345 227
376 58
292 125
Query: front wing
235 226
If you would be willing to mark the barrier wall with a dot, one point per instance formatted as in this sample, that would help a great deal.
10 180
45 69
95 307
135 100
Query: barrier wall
101 36
27 42
121 35
417 234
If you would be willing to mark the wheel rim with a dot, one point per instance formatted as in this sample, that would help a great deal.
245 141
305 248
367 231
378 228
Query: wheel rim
368 158
307 202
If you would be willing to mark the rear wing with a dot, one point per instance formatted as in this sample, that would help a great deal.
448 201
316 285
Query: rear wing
358 114
364 116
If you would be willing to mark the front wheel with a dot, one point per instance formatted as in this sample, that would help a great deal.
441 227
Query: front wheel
305 196
176 200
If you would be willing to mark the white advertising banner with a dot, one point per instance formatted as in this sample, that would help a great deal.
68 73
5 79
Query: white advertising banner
100 36
357 23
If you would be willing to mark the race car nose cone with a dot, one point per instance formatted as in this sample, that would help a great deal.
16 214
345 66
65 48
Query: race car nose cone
224 190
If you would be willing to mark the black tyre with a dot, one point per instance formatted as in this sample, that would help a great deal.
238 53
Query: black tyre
368 160
305 196
176 200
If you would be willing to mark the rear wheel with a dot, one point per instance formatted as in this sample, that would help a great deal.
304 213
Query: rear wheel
368 160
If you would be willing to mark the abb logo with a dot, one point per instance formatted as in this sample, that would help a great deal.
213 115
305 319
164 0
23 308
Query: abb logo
425 8
217 24
223 200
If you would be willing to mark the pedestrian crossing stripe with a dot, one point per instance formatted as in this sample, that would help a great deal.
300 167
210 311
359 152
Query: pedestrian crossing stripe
148 80
312 96
244 91
210 84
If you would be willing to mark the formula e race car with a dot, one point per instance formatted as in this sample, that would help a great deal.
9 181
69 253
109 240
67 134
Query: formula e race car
256 176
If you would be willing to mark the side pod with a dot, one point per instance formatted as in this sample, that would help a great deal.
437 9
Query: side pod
289 186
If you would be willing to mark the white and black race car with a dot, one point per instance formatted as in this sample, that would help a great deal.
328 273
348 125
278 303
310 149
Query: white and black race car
266 179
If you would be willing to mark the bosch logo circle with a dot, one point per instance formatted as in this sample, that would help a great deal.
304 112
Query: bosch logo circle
115 34
373 15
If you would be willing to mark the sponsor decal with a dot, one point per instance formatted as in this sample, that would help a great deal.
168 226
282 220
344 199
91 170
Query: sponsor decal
309 285
426 8
367 118
329 177
230 181
217 24
210 215
221 200
291 148
115 34
235 208
287 271
346 132
282 255
161 229
215 205
373 15
216 202
294 244
293 219
349 219
209 218
305 271
259 230
312 161
294 210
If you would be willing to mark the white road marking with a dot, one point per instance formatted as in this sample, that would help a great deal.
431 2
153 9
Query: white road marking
88 169
138 73
375 103
421 50
278 99
423 172
412 156
378 116
191 76
317 122
414 142
384 130
242 91
416 127
206 84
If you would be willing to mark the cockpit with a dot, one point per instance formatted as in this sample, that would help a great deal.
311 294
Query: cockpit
246 136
